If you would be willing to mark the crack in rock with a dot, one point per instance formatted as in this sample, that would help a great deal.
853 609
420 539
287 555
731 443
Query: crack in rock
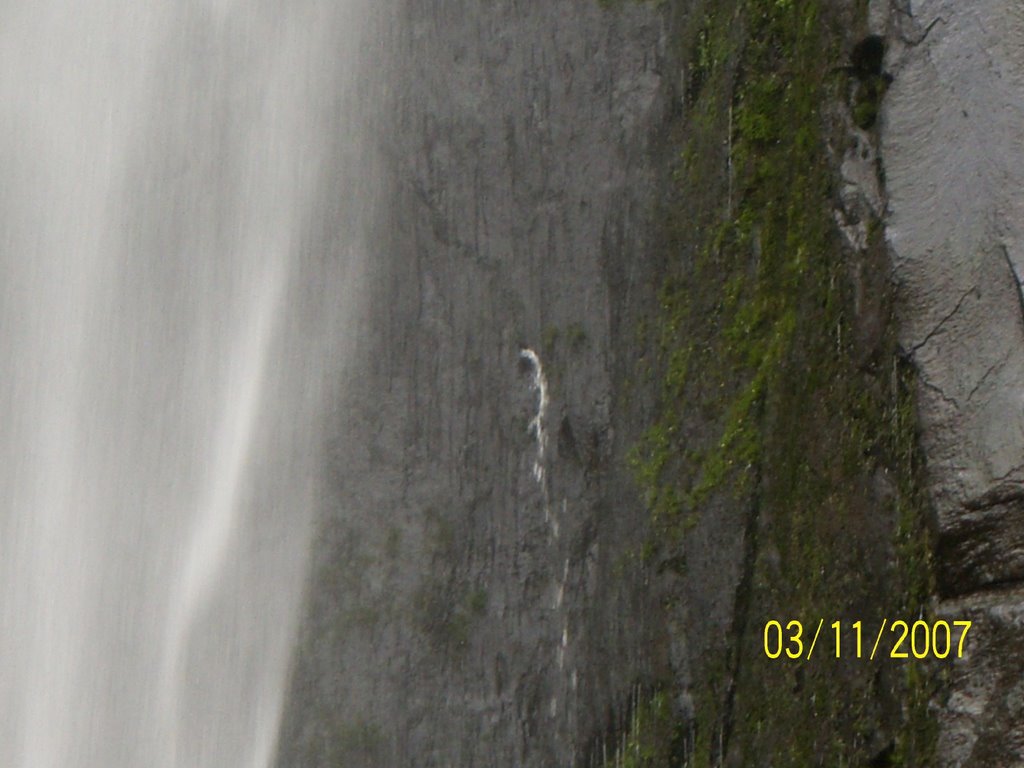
949 316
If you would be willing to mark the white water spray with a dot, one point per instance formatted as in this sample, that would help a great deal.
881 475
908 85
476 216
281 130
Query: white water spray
537 424
172 313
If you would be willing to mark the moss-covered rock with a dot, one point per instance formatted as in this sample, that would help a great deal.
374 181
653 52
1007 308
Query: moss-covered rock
783 421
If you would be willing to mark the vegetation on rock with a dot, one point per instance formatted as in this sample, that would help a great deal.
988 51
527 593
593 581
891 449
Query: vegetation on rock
783 391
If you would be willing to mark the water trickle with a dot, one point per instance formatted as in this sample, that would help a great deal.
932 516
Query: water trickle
537 424
169 325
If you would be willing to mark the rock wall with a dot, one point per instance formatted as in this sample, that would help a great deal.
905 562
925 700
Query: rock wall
952 134
474 599
478 597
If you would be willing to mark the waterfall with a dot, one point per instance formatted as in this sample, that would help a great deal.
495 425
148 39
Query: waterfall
183 200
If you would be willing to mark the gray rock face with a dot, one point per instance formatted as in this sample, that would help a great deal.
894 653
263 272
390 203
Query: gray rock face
473 599
952 135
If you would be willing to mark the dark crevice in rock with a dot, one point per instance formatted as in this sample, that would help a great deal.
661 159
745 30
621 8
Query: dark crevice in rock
1000 495
885 758
866 59
1016 281
567 441
1006 591
985 376
913 43
741 616
949 316
984 545
938 390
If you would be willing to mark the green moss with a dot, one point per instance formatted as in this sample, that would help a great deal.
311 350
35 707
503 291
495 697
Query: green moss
649 737
575 337
867 100
548 339
476 602
442 619
359 741
446 616
767 403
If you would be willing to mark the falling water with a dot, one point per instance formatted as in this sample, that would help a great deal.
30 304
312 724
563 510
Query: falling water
178 243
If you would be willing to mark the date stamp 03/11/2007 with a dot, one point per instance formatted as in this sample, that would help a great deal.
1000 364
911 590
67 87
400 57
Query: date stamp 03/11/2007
894 640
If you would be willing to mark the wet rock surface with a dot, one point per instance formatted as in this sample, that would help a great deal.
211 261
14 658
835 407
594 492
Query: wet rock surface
474 599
